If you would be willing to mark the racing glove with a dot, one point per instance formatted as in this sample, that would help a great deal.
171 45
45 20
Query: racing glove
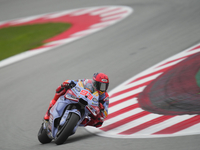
67 85
102 110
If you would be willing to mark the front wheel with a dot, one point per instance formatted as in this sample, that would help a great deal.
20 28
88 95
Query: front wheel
67 129
42 136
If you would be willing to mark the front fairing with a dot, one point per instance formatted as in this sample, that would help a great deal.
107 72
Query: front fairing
56 112
80 92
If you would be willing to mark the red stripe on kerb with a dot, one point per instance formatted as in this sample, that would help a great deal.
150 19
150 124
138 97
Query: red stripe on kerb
195 48
180 126
124 121
162 70
175 60
151 74
130 89
122 100
121 111
79 24
146 125
4 25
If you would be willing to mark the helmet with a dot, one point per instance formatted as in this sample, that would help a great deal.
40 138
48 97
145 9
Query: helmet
100 82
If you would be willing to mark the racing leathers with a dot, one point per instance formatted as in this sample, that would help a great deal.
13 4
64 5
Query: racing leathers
103 102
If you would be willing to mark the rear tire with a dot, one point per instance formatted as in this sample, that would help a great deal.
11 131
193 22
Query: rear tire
68 128
42 136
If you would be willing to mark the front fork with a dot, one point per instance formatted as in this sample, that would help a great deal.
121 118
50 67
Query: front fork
45 126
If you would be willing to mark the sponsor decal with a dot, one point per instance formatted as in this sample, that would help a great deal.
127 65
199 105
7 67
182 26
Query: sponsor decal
96 93
104 80
78 89
95 100
86 94
80 84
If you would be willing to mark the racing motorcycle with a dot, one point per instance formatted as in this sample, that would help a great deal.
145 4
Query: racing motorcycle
68 113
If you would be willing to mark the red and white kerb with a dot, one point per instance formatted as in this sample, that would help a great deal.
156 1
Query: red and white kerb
85 21
127 120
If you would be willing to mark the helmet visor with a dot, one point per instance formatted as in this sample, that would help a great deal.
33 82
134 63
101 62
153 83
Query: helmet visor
101 86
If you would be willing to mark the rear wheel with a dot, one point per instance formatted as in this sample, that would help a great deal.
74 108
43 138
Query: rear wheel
67 129
42 136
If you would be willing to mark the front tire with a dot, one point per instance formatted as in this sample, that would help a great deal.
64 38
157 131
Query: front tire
42 136
68 128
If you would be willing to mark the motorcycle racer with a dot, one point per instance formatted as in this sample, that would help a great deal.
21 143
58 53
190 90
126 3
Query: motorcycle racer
99 84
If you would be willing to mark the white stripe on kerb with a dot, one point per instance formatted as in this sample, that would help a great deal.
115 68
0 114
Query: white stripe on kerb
127 94
102 11
122 105
122 116
134 123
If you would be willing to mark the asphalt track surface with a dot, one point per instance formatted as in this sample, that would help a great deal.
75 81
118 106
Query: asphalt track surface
155 31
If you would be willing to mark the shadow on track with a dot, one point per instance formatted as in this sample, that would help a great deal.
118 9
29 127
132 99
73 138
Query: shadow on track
77 138
72 139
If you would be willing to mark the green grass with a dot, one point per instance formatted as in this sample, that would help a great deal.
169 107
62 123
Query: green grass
17 39
198 78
